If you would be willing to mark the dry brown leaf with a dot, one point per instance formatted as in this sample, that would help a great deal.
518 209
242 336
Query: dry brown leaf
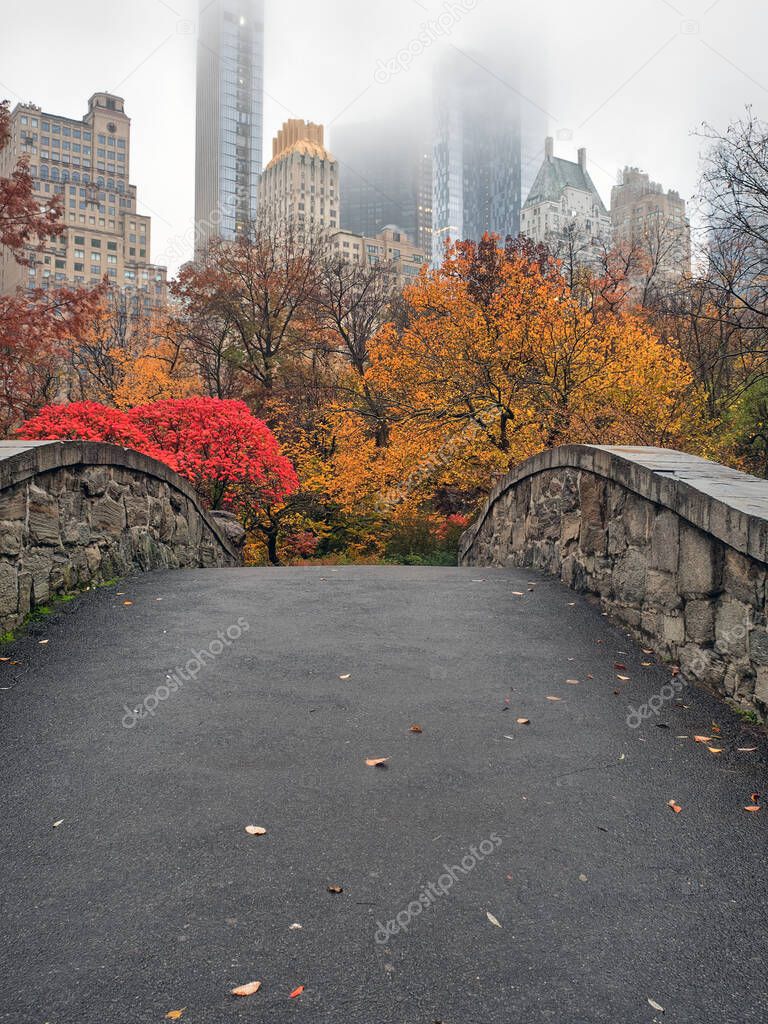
377 762
59 822
753 808
416 729
335 889
619 666
518 593
41 642
523 721
647 650
572 682
623 679
746 750
754 797
296 992
715 750
702 739
554 698
175 1014
127 603
247 990
347 676
255 830
494 921
646 664
655 1006
675 807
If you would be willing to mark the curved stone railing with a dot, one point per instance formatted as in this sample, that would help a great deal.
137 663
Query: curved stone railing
675 547
78 512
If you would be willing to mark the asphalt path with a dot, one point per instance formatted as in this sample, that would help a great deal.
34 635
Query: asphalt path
491 872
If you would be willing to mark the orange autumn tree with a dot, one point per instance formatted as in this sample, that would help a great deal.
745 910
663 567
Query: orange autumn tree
496 360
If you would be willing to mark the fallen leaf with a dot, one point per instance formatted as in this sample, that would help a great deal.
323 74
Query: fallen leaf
583 878
654 1005
175 1014
494 921
746 750
624 679
509 737
646 664
675 670
335 889
59 822
554 698
572 682
127 603
247 990
715 750
296 992
377 762
675 807
347 676
255 830
416 729
590 676
702 739
619 666
295 927
647 650
523 721
753 808
518 593
754 797
41 642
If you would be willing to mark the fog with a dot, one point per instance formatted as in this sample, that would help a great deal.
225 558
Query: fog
631 83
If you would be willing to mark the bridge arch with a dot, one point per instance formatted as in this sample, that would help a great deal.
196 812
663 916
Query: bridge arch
74 513
674 546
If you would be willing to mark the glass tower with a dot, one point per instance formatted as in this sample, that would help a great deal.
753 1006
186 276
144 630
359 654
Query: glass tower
477 150
229 118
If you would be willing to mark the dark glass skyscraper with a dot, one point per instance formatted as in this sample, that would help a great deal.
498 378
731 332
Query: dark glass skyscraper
385 175
477 154
230 117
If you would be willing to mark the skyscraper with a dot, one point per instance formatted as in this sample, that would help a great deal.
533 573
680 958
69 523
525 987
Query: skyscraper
230 117
385 168
300 185
477 153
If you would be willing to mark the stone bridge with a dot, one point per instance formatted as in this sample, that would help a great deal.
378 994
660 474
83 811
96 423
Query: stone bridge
73 513
391 795
674 546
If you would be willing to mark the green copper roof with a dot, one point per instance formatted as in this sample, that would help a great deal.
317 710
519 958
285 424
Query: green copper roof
554 176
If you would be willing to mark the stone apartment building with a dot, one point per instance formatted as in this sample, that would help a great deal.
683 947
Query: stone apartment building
300 185
564 210
391 246
87 163
646 218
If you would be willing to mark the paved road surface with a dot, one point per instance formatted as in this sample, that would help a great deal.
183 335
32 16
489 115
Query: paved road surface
150 896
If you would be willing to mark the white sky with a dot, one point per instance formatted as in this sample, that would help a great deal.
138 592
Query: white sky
630 81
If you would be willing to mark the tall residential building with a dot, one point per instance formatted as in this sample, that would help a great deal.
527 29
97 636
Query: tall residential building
300 185
644 216
564 209
477 152
230 117
87 163
390 246
385 168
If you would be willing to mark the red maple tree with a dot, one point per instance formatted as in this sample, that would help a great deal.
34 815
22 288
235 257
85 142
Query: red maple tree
231 457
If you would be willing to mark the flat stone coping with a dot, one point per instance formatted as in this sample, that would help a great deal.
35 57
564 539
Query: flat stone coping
23 460
729 505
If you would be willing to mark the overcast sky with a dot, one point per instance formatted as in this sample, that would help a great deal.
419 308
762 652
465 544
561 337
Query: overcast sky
630 81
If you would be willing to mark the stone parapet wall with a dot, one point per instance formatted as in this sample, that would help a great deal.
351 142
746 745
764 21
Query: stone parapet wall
74 513
675 547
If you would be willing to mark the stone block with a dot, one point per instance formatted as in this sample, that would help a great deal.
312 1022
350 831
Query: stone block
629 578
665 541
108 516
700 622
761 686
700 565
9 590
743 578
43 517
593 537
661 591
673 630
732 624
637 519
13 503
95 481
11 533
758 646
136 510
